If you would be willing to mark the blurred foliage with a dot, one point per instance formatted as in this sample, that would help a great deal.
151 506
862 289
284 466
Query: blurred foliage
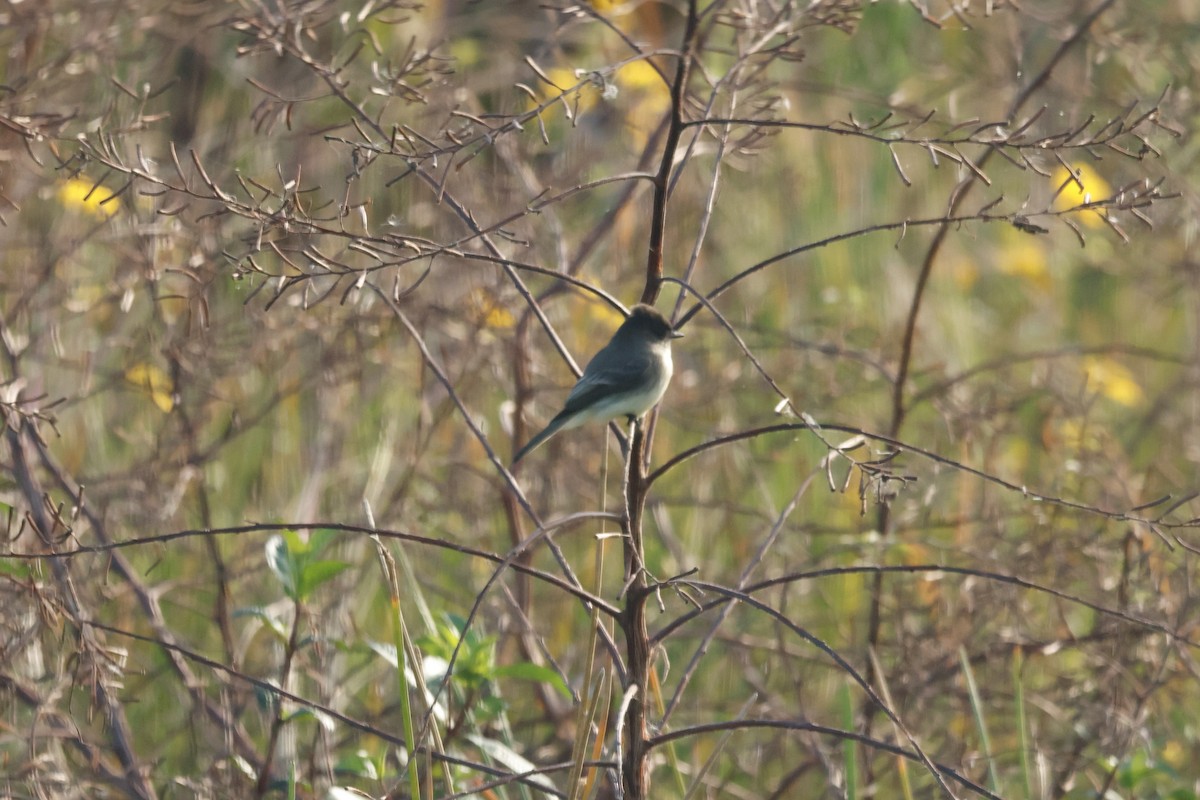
219 218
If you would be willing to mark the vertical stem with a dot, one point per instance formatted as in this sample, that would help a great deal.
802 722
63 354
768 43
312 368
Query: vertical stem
633 619
264 777
633 622
662 181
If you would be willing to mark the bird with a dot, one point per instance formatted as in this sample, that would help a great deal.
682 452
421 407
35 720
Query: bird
626 378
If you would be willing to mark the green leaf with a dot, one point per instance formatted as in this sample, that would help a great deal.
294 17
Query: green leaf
293 561
321 538
272 623
358 763
532 672
315 573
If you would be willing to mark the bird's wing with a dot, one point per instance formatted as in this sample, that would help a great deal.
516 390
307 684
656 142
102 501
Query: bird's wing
598 384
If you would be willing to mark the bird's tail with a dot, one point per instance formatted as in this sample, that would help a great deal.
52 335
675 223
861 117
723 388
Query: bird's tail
546 432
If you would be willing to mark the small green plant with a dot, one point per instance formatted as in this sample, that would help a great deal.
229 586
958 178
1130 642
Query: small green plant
472 685
297 564
1141 776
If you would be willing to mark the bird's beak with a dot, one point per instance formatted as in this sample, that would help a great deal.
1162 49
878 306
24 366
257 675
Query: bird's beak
676 334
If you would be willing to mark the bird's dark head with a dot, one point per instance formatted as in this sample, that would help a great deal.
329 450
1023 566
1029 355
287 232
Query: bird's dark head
650 321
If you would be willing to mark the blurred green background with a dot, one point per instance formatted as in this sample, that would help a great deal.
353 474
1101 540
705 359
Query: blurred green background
196 198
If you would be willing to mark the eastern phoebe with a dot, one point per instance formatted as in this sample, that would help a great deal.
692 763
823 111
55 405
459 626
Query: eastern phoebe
625 379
